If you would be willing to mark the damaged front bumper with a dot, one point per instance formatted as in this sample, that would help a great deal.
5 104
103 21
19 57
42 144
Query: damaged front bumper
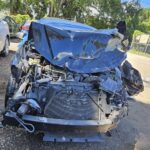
63 130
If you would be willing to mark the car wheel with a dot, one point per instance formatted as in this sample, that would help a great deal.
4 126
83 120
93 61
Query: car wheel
10 89
6 47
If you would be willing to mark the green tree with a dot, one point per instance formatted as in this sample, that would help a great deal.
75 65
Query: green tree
145 26
56 8
76 9
3 4
15 6
131 11
109 12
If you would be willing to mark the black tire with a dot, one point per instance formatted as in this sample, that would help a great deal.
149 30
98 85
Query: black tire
9 90
6 47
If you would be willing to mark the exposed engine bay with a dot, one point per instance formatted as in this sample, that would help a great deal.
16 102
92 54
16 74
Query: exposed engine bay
41 93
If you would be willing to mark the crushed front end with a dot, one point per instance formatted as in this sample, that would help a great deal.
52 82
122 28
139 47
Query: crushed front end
67 96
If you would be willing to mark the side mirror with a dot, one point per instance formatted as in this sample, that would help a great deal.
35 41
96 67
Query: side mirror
121 26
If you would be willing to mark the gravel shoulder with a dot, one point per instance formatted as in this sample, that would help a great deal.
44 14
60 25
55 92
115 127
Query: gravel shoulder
132 133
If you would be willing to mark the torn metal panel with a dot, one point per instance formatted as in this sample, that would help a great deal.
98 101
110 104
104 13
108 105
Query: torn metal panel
132 79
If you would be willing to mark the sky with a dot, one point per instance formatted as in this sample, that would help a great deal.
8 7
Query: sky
145 3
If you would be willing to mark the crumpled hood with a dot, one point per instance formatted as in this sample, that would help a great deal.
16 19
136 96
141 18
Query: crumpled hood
79 47
104 62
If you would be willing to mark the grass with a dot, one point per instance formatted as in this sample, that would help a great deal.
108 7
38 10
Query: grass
137 52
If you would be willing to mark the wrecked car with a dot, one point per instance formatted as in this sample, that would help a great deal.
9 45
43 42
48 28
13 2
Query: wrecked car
69 81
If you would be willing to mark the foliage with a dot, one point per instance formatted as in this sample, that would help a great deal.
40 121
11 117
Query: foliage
131 11
3 4
144 14
15 6
108 12
20 19
96 22
137 33
51 8
145 26
76 9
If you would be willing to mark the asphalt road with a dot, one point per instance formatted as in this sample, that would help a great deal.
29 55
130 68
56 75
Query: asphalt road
132 133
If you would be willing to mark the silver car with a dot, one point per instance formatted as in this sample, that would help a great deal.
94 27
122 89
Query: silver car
4 38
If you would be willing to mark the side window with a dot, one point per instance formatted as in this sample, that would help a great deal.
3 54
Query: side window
12 21
8 21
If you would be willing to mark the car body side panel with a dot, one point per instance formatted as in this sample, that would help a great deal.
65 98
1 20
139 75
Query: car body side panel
13 26
4 31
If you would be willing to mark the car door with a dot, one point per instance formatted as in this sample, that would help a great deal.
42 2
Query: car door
9 24
4 32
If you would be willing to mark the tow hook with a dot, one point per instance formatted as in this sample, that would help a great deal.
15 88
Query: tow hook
27 126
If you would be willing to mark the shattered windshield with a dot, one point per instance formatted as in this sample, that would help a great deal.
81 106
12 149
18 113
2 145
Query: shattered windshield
78 44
